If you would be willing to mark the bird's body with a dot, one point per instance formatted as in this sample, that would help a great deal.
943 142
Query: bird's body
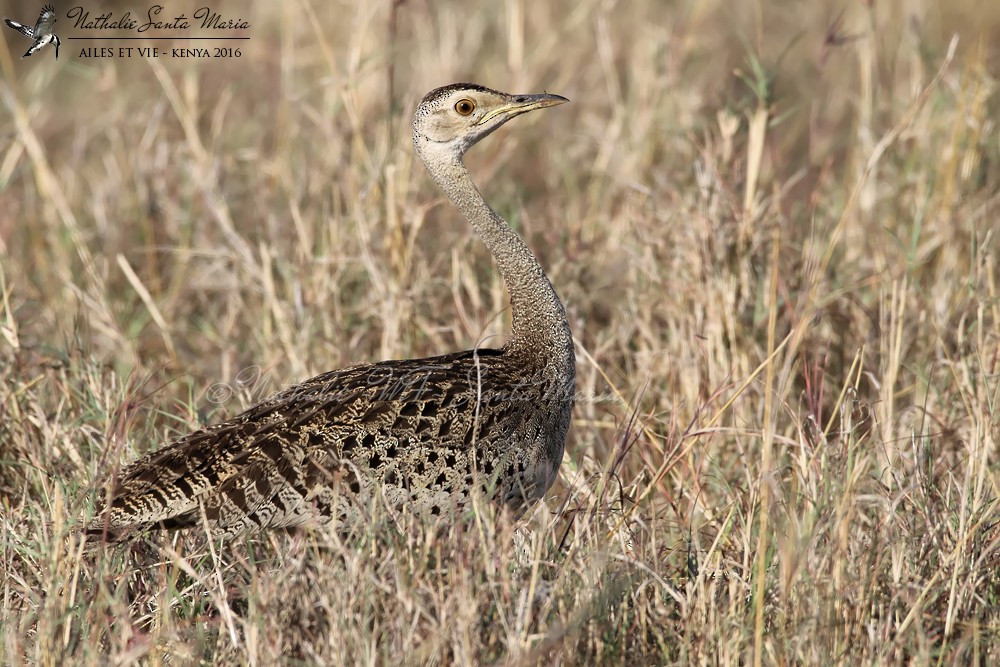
41 34
422 433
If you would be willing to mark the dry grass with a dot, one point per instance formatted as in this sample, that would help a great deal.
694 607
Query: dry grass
776 235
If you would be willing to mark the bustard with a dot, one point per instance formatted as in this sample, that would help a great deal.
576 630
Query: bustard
41 34
425 433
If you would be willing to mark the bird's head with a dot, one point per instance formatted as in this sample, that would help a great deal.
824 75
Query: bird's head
451 119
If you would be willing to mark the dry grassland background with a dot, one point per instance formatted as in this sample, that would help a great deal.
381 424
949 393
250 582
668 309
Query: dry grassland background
775 228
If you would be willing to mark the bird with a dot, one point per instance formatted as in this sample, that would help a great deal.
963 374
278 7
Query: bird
41 34
425 434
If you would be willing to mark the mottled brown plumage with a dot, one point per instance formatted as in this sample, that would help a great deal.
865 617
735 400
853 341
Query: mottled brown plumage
424 433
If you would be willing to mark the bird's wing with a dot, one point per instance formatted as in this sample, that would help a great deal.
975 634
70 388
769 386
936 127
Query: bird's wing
276 463
46 19
280 484
25 30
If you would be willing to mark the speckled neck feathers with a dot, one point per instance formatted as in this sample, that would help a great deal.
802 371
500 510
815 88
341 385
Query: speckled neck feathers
538 319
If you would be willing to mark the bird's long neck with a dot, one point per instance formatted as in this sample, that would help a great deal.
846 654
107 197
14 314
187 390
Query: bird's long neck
538 317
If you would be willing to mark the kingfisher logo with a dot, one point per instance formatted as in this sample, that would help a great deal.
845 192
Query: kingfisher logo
150 33
41 34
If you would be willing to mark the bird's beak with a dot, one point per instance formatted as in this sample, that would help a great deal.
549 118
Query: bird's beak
520 104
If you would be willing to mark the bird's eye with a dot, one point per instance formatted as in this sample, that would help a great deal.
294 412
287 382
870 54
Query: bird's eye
465 107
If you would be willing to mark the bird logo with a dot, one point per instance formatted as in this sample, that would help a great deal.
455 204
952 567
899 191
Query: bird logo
41 34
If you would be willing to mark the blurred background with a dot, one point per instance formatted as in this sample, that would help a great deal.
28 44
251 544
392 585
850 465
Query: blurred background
269 208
